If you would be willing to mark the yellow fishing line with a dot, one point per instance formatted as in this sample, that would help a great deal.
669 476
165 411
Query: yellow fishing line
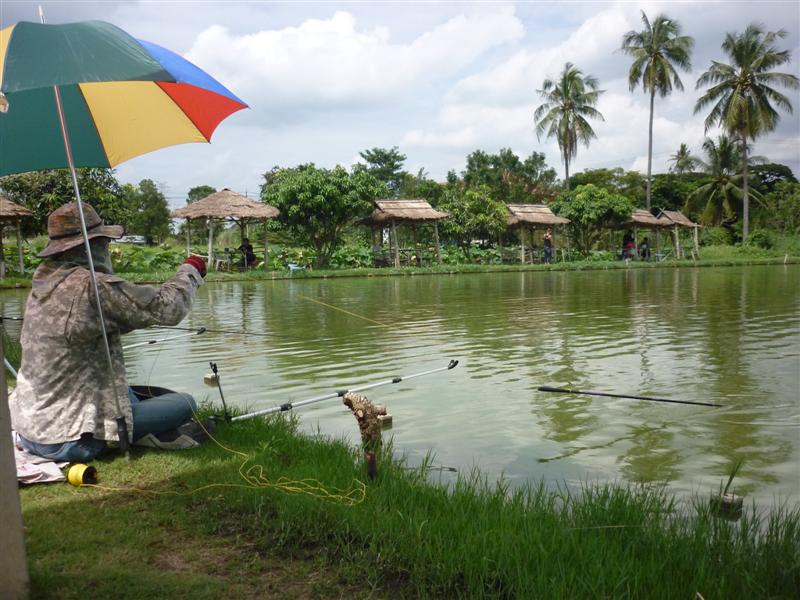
255 478
347 312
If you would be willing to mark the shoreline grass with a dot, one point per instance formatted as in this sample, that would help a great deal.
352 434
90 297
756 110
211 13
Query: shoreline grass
723 260
149 533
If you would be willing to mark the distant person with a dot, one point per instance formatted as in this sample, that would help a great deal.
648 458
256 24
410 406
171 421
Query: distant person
644 249
548 245
248 255
628 245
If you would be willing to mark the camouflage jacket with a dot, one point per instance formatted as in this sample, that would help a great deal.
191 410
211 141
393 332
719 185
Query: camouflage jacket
63 385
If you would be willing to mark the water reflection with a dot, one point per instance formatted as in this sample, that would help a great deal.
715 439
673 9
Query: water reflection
730 336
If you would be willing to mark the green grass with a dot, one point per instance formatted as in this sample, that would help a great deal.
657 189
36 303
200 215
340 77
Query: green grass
407 538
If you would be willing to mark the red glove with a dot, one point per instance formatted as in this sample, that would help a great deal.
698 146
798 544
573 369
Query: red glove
198 263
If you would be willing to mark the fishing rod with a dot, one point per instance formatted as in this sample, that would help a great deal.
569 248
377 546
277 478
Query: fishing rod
558 390
340 393
166 339
213 330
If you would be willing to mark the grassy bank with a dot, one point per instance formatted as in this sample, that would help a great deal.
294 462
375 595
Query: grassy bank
154 530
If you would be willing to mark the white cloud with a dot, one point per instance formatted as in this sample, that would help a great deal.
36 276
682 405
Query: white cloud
332 63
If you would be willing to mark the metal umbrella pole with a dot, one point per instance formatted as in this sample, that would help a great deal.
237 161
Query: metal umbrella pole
340 393
122 426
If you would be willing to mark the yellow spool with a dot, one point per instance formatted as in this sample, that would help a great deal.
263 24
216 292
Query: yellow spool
81 474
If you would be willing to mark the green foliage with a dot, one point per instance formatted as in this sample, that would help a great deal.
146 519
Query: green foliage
591 210
352 257
199 192
420 186
128 258
670 191
510 179
780 209
151 218
44 191
474 214
761 238
767 176
716 236
317 205
630 184
568 101
683 162
386 166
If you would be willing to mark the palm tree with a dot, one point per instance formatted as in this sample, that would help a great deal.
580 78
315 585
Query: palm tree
568 102
656 51
743 95
723 193
683 161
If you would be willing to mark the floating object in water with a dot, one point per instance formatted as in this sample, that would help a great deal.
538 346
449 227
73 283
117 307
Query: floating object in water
81 474
727 506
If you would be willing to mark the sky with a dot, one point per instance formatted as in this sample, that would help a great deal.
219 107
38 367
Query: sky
327 80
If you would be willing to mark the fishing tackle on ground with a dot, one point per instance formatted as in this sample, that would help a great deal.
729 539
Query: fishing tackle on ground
214 370
81 474
340 393
558 390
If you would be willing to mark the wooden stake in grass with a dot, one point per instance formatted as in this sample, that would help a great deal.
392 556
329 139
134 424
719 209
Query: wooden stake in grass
366 413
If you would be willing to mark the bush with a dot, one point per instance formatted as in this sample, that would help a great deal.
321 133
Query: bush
716 236
352 257
761 238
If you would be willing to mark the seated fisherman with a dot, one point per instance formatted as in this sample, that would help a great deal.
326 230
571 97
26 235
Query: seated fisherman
64 405
248 255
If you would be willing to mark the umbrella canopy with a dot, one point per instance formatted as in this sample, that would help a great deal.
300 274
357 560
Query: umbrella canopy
122 97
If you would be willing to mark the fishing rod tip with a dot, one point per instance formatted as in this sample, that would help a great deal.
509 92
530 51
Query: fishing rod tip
452 364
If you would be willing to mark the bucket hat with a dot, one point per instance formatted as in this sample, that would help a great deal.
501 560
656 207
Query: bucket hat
64 228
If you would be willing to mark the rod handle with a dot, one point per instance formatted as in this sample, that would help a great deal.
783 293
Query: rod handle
547 388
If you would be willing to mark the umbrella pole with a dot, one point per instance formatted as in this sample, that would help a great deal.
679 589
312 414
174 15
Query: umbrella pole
122 426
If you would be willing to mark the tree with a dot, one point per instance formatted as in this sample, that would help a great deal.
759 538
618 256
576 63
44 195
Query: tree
199 192
630 184
420 186
44 191
152 211
386 166
723 193
510 179
683 161
317 205
569 101
769 175
474 214
742 93
781 208
656 51
590 210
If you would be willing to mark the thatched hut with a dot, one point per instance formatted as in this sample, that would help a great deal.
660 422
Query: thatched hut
529 217
12 213
677 219
225 205
392 212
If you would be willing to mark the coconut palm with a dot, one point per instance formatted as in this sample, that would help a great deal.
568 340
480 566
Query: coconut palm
656 51
742 94
568 102
683 161
722 195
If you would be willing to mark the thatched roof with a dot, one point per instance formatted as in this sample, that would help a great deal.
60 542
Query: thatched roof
226 204
676 218
403 210
11 211
533 214
643 218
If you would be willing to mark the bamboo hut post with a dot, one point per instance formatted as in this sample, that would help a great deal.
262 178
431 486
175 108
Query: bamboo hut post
658 244
210 244
396 245
636 240
416 244
266 247
522 245
436 239
696 243
188 237
676 235
19 247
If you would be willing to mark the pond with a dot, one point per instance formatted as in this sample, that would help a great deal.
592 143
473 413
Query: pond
723 335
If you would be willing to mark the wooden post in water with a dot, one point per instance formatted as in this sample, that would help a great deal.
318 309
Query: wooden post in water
19 247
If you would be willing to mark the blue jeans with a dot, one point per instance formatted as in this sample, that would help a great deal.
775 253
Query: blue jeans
156 415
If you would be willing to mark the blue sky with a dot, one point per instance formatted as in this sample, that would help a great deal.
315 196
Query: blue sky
326 80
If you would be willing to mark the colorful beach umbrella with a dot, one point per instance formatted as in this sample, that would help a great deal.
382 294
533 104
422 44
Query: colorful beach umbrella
122 97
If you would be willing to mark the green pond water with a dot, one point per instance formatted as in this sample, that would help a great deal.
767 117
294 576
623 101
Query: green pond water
723 335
